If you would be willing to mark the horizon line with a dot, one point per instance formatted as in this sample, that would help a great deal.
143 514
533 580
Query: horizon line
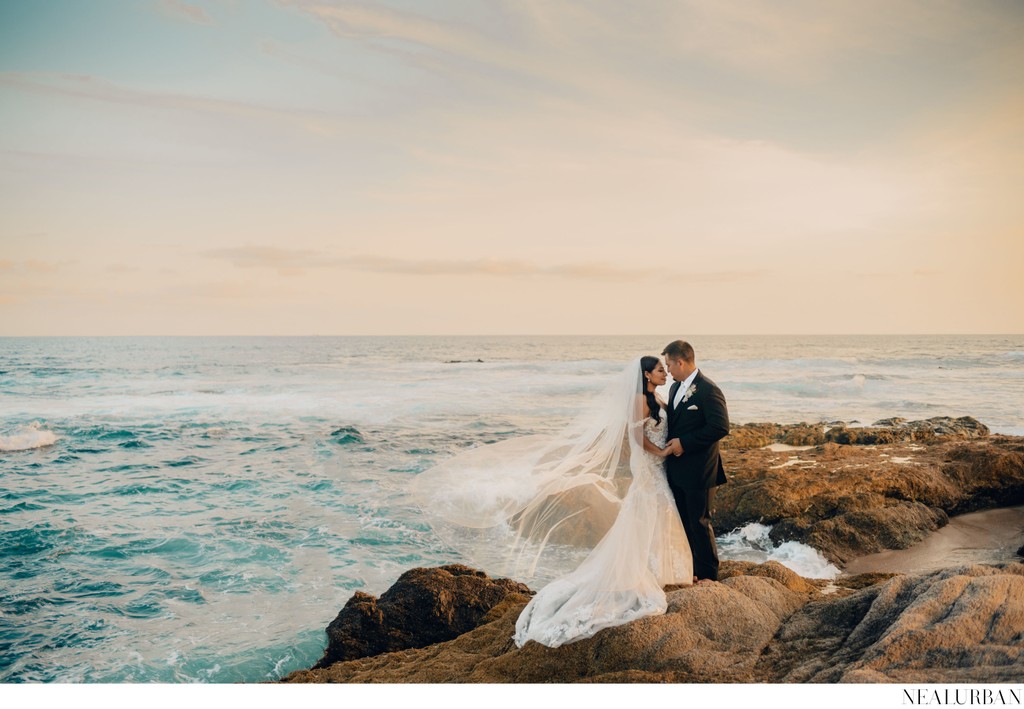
526 334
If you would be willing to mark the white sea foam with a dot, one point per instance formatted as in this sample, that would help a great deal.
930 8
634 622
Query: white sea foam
27 438
753 543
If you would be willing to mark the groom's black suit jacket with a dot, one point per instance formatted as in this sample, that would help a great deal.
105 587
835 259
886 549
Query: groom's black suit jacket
699 423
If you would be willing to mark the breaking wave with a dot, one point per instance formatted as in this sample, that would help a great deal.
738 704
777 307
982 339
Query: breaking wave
753 543
27 438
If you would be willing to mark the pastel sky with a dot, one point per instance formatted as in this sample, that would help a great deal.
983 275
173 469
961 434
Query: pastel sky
294 167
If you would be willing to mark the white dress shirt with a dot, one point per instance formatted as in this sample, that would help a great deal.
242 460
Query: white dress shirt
683 387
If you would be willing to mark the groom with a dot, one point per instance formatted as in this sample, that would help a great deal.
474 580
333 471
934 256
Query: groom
697 417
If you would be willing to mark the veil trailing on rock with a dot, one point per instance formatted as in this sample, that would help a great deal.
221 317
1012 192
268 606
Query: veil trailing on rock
532 508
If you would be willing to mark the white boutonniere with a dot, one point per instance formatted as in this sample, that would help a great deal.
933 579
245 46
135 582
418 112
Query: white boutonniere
689 392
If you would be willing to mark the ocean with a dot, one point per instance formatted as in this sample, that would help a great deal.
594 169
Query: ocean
198 509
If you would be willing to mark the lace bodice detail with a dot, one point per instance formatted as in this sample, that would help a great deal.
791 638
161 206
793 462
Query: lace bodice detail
656 431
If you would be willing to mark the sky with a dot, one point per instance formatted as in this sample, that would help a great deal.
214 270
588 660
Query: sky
304 167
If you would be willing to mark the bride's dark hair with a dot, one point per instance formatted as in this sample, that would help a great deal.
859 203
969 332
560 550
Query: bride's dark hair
647 365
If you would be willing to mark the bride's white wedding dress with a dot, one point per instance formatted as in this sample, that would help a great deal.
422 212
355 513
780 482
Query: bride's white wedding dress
622 579
589 509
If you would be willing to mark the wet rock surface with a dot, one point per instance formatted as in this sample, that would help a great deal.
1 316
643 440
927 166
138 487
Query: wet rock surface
759 623
963 624
890 430
847 500
423 607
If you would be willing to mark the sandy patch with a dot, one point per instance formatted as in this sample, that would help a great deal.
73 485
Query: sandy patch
782 448
990 536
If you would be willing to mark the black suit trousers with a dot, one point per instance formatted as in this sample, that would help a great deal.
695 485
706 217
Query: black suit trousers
695 511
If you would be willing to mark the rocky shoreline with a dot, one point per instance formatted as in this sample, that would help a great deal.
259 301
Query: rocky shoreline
846 491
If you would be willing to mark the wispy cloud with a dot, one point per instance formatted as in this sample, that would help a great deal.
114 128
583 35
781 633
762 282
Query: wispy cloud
280 52
186 11
790 42
121 268
572 65
292 262
89 87
362 21
42 266
795 73
287 262
228 290
497 267
34 267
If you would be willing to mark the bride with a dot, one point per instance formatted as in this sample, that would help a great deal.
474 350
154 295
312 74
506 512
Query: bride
588 510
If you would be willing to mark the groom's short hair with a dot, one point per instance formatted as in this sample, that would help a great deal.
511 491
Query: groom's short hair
680 349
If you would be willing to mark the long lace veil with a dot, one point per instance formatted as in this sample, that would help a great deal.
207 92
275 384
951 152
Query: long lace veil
533 507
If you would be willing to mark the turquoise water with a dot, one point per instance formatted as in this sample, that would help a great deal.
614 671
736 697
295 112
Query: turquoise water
198 509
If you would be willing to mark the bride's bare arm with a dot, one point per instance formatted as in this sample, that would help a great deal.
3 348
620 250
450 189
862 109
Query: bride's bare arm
651 448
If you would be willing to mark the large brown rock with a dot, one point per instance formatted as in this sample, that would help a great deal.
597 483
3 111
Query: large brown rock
896 430
864 530
963 624
772 570
761 623
423 607
891 430
712 632
851 500
753 435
